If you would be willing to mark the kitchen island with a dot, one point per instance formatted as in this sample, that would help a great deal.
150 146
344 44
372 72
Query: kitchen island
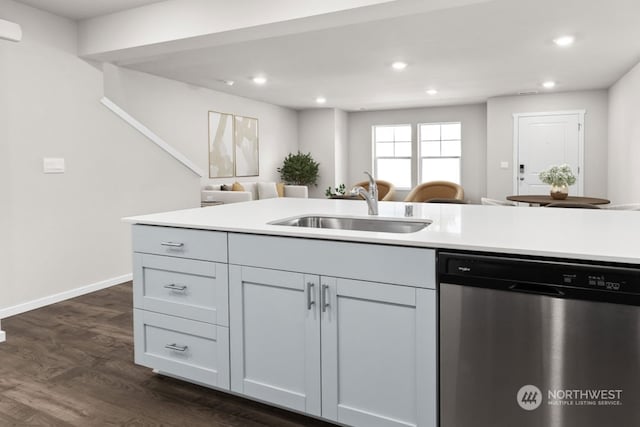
337 324
596 235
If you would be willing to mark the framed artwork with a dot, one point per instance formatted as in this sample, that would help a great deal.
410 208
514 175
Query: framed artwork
246 146
221 152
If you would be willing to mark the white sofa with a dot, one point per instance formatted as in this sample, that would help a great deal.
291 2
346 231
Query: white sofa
211 192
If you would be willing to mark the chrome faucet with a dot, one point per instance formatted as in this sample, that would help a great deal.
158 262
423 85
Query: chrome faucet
371 196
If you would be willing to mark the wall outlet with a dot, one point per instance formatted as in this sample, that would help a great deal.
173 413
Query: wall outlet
52 165
504 165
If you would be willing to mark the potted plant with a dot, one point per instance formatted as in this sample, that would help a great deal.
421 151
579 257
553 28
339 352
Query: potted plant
560 178
299 169
336 192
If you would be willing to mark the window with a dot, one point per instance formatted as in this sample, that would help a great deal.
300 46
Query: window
440 151
392 153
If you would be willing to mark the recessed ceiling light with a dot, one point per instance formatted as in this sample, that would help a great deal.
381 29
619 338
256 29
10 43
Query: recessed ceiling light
399 65
432 92
229 82
564 41
259 80
549 84
321 100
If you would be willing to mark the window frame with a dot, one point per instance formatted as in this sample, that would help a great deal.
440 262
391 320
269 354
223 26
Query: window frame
375 157
420 157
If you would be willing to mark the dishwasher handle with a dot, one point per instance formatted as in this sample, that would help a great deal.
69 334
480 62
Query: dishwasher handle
533 288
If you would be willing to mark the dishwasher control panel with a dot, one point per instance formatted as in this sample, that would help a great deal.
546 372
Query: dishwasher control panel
547 277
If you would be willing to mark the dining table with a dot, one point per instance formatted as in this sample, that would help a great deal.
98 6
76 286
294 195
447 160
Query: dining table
544 200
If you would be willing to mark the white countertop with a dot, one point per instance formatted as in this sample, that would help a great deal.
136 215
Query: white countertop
589 234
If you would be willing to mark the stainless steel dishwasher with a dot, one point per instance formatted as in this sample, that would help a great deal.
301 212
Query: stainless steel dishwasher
538 343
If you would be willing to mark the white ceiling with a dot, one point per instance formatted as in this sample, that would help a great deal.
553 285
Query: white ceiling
82 9
468 53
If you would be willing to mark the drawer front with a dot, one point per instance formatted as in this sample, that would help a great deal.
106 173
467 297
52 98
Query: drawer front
192 289
185 348
180 242
361 261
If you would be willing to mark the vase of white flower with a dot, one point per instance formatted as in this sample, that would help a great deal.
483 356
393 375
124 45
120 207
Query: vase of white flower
560 178
559 192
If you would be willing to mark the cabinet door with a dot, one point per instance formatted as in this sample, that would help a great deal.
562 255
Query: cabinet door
275 337
378 354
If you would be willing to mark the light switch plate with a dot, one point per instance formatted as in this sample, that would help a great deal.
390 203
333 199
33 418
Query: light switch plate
52 165
504 165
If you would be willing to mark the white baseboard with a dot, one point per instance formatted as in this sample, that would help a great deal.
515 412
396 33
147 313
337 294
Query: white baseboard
62 296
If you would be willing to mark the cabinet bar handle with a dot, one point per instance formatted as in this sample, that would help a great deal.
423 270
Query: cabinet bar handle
175 287
176 347
310 302
172 244
325 298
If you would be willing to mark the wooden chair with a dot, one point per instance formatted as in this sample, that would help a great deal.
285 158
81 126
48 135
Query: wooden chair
435 190
386 190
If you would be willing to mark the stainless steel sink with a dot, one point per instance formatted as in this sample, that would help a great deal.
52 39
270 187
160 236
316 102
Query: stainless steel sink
361 224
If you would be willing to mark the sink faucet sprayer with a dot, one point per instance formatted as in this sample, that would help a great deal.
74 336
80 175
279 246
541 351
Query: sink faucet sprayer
371 196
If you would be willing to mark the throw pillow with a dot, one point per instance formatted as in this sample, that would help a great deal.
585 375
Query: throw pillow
280 188
225 187
237 187
267 190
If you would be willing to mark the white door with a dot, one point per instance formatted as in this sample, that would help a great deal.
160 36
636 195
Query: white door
275 337
543 140
378 354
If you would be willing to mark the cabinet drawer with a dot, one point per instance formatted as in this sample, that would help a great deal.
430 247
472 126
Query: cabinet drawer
185 348
193 289
180 242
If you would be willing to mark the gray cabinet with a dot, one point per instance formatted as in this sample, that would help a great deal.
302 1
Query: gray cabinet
361 353
181 303
181 347
378 354
275 337
340 330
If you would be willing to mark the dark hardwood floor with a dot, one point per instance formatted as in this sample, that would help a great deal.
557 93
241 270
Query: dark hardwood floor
71 364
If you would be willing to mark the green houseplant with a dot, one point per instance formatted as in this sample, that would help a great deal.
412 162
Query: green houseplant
299 169
341 190
559 178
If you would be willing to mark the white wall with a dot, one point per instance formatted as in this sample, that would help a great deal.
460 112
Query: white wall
624 139
342 147
500 112
66 231
178 113
316 132
5 178
472 117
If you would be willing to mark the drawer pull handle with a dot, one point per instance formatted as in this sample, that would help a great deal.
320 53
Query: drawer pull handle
310 301
176 347
175 287
172 244
325 298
